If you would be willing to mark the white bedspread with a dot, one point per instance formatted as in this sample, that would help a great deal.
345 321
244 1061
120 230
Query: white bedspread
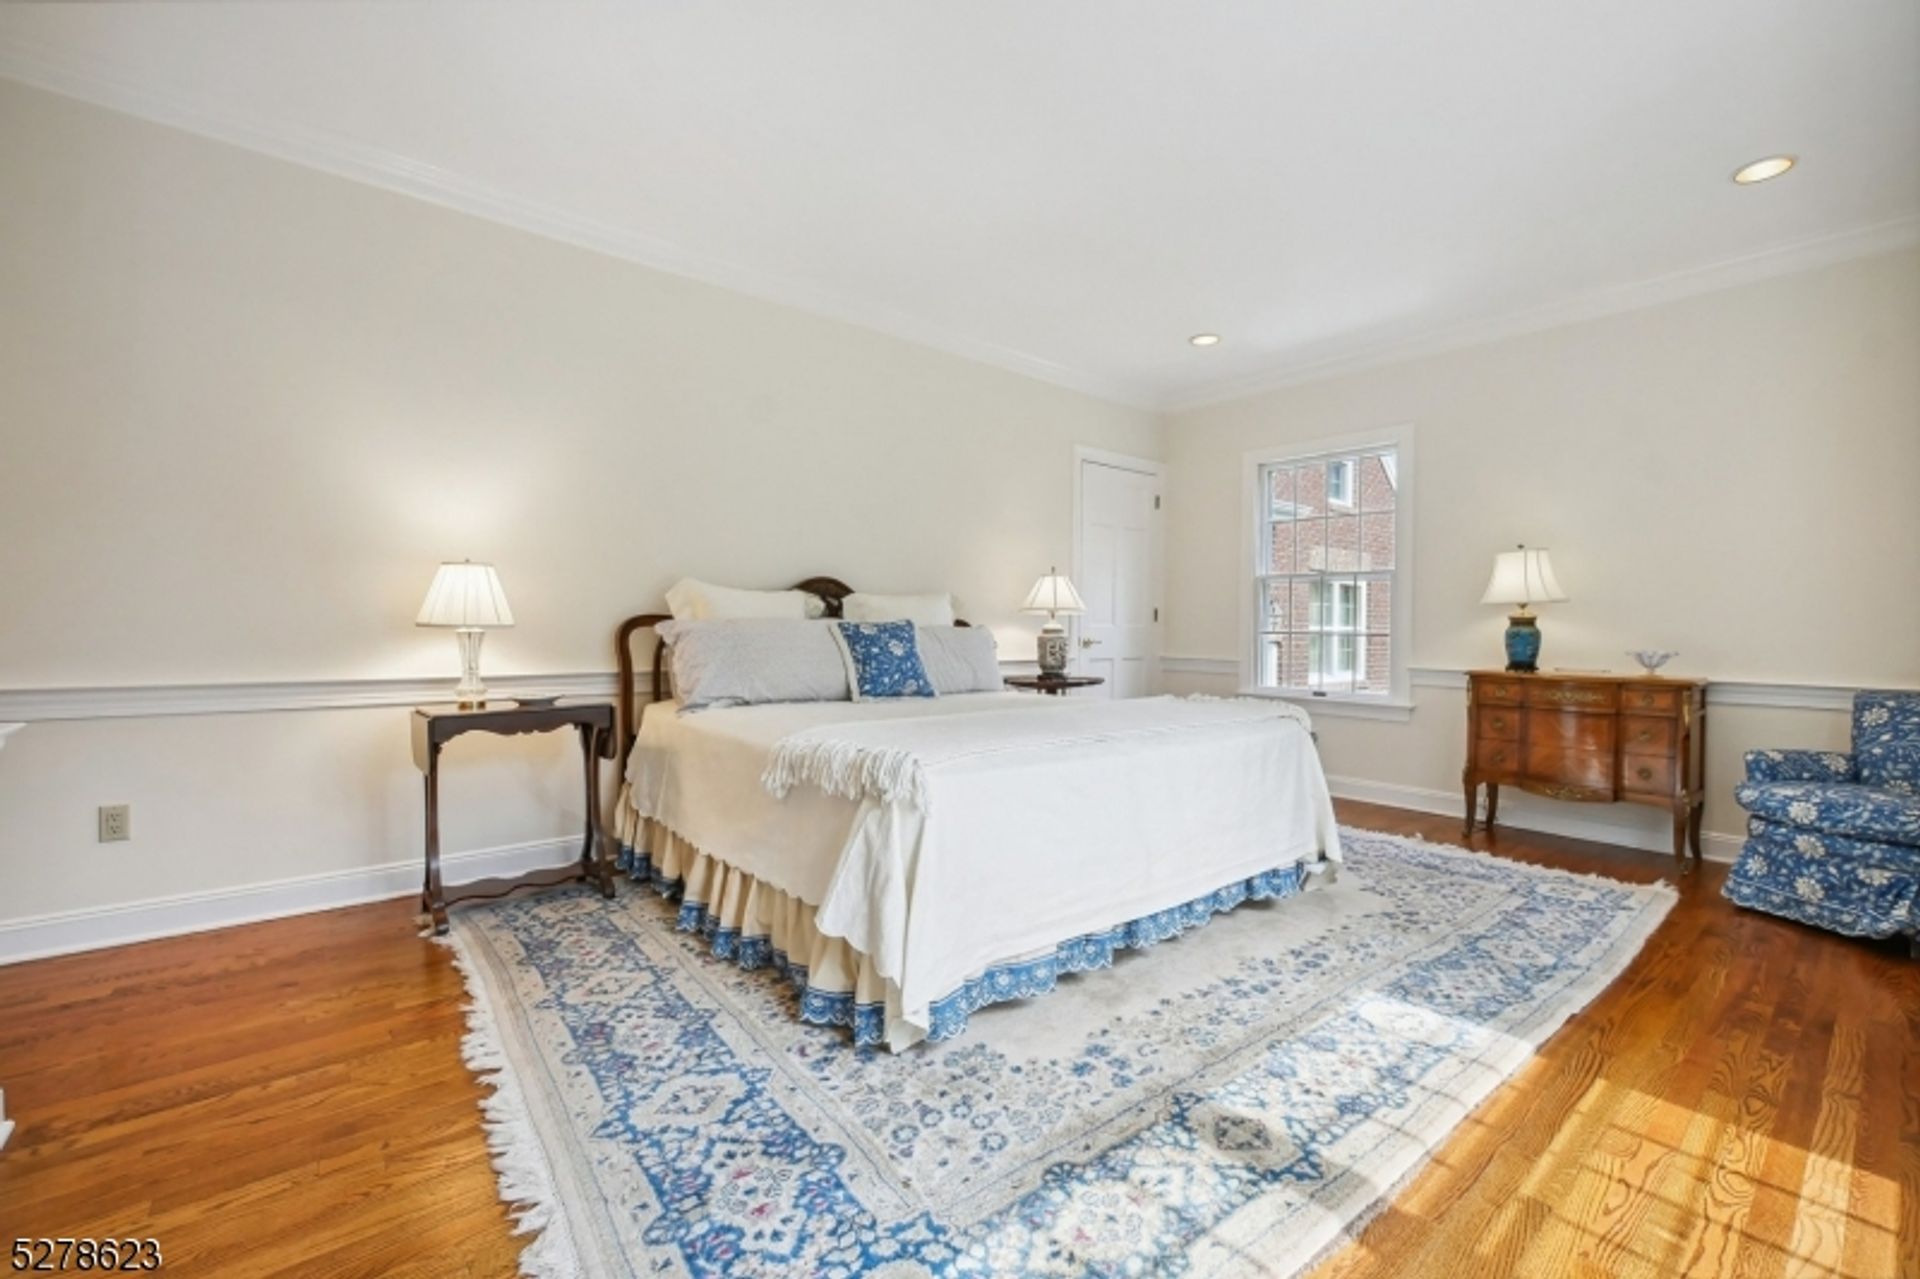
1043 819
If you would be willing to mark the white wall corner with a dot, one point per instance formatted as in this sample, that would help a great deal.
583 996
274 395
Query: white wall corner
6 1125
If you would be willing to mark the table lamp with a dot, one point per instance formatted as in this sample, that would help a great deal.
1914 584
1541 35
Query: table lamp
467 597
1523 577
1053 595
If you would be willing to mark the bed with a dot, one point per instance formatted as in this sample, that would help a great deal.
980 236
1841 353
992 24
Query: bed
1008 839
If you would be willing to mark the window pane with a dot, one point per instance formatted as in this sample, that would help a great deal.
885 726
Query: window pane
1335 667
1379 618
1300 604
1273 661
1280 547
1310 546
1376 483
1376 673
1310 491
1316 606
1280 491
1343 544
1273 600
1341 472
1376 541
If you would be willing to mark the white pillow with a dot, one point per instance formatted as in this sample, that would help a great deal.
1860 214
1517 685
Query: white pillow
922 610
695 601
960 659
744 661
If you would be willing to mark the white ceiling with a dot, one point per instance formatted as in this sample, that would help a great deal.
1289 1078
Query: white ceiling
1072 188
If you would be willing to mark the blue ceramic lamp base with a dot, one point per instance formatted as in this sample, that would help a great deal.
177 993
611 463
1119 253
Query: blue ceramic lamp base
1523 642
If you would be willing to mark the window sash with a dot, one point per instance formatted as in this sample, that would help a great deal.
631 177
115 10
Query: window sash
1337 625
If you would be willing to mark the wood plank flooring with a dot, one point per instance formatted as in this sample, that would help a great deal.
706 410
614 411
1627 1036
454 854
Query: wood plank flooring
287 1099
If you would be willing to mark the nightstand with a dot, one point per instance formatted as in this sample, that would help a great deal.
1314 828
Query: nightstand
435 726
1054 685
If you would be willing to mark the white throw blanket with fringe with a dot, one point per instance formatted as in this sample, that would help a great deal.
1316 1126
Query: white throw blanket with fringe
984 838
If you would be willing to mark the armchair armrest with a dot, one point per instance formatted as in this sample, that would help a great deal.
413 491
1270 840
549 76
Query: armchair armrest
1799 766
1893 766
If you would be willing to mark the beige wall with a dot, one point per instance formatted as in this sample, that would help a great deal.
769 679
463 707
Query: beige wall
248 406
244 408
1733 476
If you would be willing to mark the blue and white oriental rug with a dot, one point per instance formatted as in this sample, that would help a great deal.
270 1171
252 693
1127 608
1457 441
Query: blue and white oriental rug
1237 1101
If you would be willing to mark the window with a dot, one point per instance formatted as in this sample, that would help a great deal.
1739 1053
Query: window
1331 530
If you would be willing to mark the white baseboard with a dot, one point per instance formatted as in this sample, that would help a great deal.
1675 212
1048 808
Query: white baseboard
41 936
1558 819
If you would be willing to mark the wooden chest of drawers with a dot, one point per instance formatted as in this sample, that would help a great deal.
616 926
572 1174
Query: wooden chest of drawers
1597 738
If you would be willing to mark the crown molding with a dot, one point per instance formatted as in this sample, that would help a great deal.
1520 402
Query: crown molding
1328 361
344 157
374 166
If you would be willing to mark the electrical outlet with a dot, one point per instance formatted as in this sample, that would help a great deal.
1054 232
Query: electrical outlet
116 822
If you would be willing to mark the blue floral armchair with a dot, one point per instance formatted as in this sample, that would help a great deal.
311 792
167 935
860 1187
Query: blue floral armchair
1833 838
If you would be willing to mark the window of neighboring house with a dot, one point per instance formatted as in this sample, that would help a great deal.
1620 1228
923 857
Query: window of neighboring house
1340 483
1331 532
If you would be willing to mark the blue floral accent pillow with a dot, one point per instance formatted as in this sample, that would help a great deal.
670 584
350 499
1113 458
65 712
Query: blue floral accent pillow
883 660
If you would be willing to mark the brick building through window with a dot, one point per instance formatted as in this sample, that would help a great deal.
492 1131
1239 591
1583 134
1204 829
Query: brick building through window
1326 570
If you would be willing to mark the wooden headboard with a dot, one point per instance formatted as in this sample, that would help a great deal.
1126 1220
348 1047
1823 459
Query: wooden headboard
831 590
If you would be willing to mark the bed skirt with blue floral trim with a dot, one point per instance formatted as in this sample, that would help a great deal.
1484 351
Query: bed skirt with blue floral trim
756 926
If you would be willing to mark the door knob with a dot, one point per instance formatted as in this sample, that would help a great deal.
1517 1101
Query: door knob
1087 643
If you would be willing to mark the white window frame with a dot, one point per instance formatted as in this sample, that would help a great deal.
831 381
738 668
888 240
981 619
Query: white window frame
1396 702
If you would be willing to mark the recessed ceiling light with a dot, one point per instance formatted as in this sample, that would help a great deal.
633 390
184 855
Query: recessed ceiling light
1760 170
1205 339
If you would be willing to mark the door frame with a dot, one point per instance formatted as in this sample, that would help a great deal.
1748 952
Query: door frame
1156 550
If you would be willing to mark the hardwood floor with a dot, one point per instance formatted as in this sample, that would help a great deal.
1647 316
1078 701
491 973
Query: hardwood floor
288 1099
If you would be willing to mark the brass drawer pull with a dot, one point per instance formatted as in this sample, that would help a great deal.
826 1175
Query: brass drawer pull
1645 735
1643 773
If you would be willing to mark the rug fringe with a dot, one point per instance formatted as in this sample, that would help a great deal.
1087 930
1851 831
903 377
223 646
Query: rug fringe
525 1179
1658 886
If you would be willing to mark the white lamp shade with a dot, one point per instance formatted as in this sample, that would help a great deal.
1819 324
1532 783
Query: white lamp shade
1053 594
1524 576
467 595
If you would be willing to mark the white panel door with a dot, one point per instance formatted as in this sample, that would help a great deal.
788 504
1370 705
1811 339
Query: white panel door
1118 636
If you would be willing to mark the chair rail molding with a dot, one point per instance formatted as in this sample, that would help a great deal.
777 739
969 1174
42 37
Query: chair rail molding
1777 694
144 701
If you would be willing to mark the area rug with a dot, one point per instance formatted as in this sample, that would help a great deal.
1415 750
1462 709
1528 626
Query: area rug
1237 1101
